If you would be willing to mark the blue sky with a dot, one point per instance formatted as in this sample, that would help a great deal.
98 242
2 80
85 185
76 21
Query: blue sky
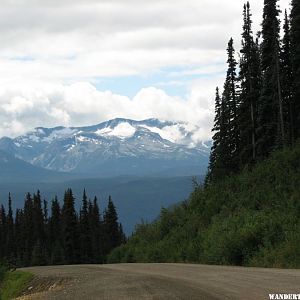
173 80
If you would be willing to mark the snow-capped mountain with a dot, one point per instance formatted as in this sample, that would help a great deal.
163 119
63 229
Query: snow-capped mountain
115 147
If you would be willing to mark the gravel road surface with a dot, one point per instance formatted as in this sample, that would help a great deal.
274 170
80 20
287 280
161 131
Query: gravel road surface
159 281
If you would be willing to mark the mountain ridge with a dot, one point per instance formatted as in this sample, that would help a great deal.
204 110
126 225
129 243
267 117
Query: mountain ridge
116 147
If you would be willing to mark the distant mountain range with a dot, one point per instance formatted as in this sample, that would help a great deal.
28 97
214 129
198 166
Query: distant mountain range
117 147
144 165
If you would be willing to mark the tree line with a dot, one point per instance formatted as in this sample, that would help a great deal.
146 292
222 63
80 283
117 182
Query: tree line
34 236
258 111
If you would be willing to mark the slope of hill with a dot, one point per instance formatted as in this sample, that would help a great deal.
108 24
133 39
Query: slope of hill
249 219
114 148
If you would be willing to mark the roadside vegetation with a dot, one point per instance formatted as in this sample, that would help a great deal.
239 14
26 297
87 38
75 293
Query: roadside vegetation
13 283
251 219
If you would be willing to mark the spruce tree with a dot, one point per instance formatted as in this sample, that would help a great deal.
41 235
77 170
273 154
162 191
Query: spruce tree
295 45
271 133
10 239
250 90
19 237
70 229
55 233
85 236
38 220
286 80
96 231
226 140
3 232
230 139
111 227
28 229
214 157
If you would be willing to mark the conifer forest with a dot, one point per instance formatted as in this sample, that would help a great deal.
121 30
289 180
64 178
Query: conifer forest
39 234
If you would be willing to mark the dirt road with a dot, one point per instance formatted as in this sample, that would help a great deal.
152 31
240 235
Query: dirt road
163 281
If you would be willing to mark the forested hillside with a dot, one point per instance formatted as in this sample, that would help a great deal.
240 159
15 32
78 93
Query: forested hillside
249 219
247 213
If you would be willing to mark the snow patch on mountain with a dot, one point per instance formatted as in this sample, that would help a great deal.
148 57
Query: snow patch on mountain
59 134
122 130
170 133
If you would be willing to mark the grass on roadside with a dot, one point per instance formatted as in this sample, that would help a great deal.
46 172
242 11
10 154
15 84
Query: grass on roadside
13 284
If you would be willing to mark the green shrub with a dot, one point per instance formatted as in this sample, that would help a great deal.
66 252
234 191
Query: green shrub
250 219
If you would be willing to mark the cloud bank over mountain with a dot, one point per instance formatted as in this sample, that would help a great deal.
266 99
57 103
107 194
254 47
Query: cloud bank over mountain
74 62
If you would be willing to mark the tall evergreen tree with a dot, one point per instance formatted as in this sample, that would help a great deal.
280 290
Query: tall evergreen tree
55 226
286 80
10 239
28 229
226 139
111 227
3 231
214 155
38 220
96 231
271 133
230 139
250 90
70 229
19 237
295 45
85 236
55 234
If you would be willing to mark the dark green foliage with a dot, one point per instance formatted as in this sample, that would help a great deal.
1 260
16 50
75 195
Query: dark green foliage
215 163
84 230
70 230
57 254
38 257
32 238
55 230
286 83
271 131
250 219
295 45
250 82
224 155
259 110
3 270
113 234
96 233
230 131
2 230
10 240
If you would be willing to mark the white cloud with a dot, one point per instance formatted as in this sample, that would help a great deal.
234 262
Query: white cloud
123 130
79 39
51 52
82 104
